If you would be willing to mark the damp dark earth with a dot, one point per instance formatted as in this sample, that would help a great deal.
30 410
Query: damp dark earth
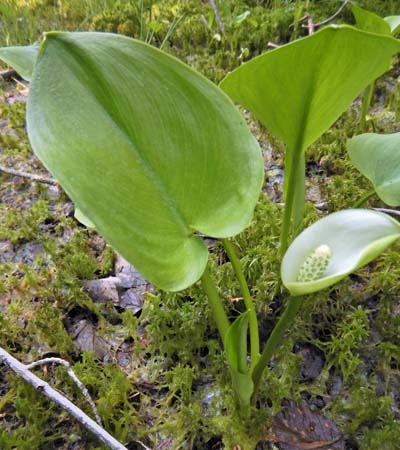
155 366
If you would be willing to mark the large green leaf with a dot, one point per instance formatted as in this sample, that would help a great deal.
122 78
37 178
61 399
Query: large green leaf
378 158
353 237
235 344
22 59
298 90
394 23
368 21
149 150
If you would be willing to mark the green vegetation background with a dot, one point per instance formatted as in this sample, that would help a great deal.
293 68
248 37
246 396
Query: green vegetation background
171 388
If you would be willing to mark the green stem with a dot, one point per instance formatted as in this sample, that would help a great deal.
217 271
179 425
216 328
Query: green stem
366 102
215 303
275 339
253 324
360 202
289 199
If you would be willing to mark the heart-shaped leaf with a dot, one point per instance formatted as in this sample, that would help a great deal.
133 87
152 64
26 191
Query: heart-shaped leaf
298 90
394 23
334 247
378 158
368 21
21 59
148 149
235 344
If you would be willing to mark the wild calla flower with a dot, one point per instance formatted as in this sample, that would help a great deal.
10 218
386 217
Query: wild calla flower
334 247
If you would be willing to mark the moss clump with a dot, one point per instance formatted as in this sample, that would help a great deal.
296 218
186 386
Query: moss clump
341 349
163 378
23 225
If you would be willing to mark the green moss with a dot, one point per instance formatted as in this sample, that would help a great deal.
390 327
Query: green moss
23 225
176 387
47 325
367 417
341 350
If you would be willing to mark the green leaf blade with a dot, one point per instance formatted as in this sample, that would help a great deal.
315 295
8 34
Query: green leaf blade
298 90
378 158
369 21
149 150
355 237
21 59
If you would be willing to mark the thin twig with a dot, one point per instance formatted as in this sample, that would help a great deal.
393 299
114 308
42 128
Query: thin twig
310 21
310 25
75 379
30 176
272 45
394 212
8 74
204 20
302 19
43 387
217 16
333 17
323 22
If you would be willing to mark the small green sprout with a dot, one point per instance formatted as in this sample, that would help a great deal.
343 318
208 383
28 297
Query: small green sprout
315 265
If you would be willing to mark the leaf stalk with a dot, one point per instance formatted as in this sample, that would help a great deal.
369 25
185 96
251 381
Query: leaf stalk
360 202
290 197
215 303
253 323
366 102
275 338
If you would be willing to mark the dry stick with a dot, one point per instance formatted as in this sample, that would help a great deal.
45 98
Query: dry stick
333 17
75 379
217 16
394 212
43 387
312 26
8 74
30 176
302 19
310 21
325 21
204 20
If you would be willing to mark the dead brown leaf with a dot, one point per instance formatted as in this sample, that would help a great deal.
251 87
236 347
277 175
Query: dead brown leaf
296 427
